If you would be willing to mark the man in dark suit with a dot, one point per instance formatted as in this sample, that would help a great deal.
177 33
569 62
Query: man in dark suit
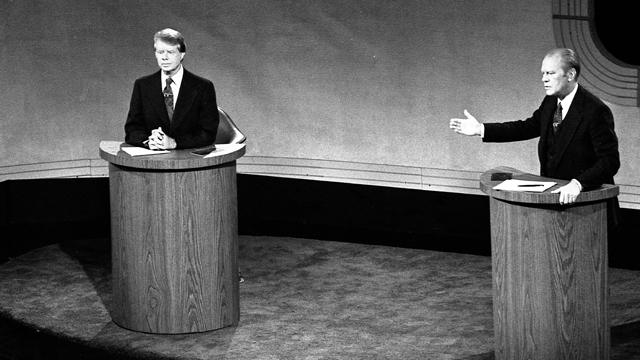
172 108
576 130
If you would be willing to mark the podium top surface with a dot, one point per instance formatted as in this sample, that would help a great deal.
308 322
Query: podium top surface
183 159
606 191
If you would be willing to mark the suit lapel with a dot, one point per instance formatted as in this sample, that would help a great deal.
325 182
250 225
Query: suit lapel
187 94
546 118
156 98
570 123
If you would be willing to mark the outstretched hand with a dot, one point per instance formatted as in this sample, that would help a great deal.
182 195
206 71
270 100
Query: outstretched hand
469 126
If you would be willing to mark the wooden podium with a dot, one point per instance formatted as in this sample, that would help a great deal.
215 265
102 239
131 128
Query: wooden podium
174 234
550 272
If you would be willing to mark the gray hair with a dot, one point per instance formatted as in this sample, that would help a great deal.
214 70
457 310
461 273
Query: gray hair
569 59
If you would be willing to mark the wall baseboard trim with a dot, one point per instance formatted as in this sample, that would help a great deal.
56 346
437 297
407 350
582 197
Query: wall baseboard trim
56 169
395 176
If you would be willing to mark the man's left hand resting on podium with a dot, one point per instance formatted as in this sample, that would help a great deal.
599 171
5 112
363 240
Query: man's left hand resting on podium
172 108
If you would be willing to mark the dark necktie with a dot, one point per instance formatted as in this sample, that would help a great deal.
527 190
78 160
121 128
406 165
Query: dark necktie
168 98
557 118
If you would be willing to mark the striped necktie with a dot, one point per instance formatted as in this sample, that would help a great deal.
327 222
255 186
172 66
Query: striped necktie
557 118
168 98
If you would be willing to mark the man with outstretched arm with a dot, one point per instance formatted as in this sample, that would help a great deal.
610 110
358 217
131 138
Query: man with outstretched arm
576 130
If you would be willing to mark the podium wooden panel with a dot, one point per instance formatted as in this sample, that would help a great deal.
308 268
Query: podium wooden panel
174 240
550 272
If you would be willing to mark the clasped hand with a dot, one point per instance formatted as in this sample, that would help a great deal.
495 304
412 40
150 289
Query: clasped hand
158 140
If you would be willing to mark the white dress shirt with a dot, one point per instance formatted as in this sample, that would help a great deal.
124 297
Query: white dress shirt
566 102
175 85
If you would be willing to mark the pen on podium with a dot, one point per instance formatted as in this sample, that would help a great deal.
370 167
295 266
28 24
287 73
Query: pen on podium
530 185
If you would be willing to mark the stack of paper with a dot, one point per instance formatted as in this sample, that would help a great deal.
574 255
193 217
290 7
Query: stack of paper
524 185
139 151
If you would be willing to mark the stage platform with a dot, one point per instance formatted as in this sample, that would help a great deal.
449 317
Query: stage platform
302 299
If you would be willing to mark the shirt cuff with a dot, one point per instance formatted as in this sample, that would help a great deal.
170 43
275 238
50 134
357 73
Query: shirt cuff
482 130
577 183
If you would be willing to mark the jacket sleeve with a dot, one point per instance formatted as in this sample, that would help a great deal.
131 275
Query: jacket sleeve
517 130
605 150
135 129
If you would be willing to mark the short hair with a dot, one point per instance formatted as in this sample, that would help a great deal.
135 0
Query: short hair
569 59
170 37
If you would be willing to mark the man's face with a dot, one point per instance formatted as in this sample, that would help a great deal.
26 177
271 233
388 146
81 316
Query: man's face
169 57
555 79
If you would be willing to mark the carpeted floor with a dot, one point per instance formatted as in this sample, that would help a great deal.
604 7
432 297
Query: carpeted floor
302 299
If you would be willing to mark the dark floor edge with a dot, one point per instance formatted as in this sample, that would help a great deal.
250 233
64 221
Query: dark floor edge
23 341
625 344
40 212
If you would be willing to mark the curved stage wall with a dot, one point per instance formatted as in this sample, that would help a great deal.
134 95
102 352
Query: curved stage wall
357 91
397 176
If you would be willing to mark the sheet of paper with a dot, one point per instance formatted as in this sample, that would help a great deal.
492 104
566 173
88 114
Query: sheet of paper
524 185
222 149
139 151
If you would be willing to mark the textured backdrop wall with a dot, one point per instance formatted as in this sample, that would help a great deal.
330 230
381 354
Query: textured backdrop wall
359 80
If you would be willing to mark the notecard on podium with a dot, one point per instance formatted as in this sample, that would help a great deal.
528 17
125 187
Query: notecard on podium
140 151
524 185
222 149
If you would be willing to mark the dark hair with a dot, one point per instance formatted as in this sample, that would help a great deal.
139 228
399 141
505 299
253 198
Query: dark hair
170 37
569 59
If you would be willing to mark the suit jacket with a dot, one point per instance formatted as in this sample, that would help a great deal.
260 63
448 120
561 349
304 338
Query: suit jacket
586 145
195 118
